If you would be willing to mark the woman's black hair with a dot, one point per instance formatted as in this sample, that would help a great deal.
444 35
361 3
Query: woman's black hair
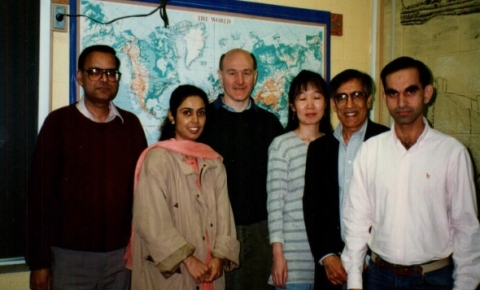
182 92
300 84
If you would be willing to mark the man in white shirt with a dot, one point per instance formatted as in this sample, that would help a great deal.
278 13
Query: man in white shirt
412 197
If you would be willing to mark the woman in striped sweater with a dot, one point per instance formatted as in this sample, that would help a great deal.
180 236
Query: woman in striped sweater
308 117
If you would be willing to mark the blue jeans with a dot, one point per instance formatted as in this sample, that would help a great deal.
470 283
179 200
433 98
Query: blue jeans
297 287
380 279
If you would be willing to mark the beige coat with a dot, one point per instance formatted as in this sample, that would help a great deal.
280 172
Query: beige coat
171 216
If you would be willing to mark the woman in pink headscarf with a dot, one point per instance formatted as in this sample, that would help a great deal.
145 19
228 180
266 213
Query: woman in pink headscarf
183 228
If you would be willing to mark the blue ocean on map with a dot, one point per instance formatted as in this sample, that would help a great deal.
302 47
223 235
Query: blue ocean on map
155 59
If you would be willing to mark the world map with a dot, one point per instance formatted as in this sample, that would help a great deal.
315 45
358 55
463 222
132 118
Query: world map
155 60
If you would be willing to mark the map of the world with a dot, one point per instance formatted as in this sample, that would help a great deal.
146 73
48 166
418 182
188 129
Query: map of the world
155 59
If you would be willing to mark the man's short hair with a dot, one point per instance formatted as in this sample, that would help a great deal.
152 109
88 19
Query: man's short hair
352 74
96 48
220 64
405 62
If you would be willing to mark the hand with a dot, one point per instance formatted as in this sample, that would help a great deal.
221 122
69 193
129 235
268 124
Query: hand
41 279
196 269
334 268
215 268
279 266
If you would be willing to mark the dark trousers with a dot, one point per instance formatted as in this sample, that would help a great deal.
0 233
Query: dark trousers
76 270
255 259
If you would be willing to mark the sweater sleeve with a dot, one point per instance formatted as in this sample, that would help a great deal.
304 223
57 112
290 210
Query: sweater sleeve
276 189
139 136
42 187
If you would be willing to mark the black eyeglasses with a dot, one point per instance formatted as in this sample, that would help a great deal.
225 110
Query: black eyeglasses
95 74
357 97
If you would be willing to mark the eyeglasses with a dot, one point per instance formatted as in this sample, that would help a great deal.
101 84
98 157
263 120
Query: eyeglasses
357 97
95 74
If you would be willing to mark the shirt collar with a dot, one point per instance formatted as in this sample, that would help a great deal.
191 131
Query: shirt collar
338 133
420 138
218 103
111 115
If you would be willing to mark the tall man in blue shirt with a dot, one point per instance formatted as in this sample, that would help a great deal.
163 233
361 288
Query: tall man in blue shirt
328 172
242 132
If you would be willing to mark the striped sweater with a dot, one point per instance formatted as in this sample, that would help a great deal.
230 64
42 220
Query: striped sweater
285 183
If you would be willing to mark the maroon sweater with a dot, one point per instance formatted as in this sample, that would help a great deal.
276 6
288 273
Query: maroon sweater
81 182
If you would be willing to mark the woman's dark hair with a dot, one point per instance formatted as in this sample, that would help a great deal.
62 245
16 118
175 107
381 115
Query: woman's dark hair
182 92
300 84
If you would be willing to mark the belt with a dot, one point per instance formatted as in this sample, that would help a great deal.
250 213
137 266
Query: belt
401 270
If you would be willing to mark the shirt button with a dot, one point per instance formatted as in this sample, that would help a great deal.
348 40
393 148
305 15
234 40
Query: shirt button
211 225
203 238
198 196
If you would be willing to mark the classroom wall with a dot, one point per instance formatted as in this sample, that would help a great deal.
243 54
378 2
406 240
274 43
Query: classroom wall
450 46
352 50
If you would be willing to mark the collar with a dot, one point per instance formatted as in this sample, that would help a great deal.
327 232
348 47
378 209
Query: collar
420 138
113 112
339 135
218 103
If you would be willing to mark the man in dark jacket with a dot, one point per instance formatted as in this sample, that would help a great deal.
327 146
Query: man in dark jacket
328 172
242 132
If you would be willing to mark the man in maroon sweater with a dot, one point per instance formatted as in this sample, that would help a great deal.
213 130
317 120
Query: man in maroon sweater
80 192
